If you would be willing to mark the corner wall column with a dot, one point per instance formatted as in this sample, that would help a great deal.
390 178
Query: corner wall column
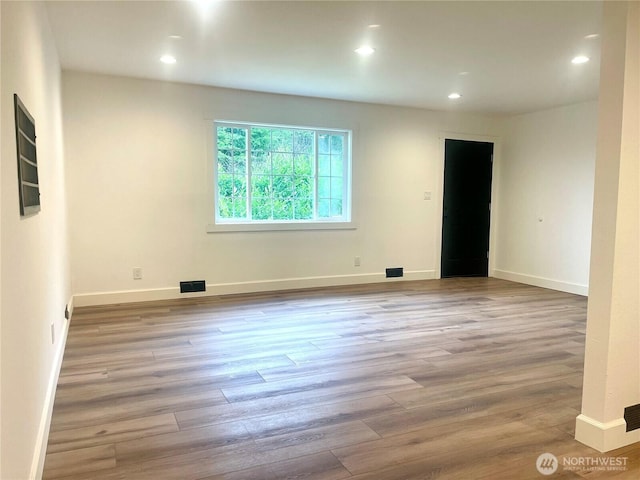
612 356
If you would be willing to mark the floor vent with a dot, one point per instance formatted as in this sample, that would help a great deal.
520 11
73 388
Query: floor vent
193 286
632 417
395 272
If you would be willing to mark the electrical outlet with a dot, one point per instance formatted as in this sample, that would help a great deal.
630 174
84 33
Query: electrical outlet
53 333
356 261
137 273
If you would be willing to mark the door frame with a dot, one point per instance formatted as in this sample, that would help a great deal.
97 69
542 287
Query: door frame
495 176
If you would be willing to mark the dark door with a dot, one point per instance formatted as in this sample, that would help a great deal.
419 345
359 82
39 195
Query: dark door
467 198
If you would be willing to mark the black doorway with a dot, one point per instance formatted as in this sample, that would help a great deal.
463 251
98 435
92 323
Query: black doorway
466 208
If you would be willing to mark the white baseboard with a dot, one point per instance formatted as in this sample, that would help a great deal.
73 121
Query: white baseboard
70 307
542 282
170 293
37 463
604 437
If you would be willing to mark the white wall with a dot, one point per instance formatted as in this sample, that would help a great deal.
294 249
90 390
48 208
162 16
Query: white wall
35 273
546 198
140 197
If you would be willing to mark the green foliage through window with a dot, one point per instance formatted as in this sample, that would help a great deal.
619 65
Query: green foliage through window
271 173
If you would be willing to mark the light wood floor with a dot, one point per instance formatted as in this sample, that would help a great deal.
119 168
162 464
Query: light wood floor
443 379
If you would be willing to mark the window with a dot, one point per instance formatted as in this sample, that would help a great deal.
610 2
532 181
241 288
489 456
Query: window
270 174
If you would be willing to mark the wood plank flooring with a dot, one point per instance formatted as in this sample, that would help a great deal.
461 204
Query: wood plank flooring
442 379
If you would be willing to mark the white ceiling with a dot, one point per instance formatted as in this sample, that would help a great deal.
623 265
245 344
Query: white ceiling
517 54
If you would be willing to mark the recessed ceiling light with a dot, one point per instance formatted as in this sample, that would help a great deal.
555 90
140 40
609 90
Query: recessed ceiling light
454 96
365 50
592 36
374 25
579 59
203 3
204 6
463 73
175 37
168 59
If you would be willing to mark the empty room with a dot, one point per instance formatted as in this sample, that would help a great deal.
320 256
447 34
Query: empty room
368 240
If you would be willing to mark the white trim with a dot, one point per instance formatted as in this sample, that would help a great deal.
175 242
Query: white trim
604 437
129 296
70 307
495 172
42 438
560 285
278 226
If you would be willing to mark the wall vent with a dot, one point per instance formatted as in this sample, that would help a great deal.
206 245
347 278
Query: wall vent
193 286
632 417
28 183
395 272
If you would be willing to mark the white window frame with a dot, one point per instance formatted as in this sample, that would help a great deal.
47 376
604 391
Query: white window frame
317 223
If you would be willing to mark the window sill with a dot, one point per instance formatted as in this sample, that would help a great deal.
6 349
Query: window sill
279 227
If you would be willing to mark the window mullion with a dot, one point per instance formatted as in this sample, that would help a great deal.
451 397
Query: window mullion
345 179
315 175
270 152
247 150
